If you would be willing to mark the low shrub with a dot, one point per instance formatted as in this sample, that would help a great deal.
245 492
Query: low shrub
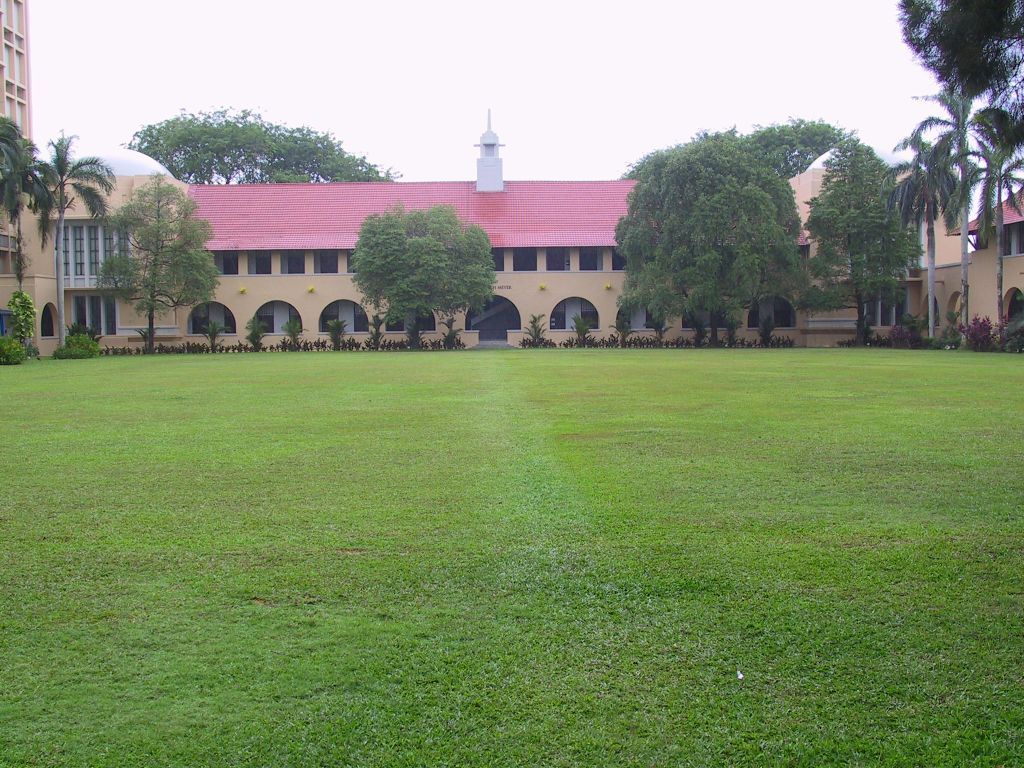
81 329
528 342
11 351
78 346
980 334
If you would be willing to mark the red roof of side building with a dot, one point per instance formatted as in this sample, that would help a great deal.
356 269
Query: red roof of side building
308 216
1010 216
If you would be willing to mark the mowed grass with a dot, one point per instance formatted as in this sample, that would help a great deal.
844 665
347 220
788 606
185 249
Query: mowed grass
514 558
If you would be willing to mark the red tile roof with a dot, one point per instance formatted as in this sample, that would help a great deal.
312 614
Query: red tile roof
1010 216
308 216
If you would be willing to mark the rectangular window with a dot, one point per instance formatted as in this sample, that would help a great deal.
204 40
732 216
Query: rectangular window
67 252
349 269
326 262
558 259
109 316
618 260
124 247
293 263
79 246
226 262
80 311
398 325
498 255
94 250
96 312
259 262
591 260
524 259
108 242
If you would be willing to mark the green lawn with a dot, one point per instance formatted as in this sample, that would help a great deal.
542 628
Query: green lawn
514 558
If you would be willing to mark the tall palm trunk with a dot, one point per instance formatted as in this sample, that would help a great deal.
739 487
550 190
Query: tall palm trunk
19 257
930 236
965 223
1000 234
59 257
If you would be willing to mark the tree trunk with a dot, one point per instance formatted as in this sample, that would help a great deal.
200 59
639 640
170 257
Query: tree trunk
965 222
151 317
59 253
930 235
861 337
1000 234
19 259
714 330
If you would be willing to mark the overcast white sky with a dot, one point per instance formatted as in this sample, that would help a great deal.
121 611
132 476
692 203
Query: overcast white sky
579 90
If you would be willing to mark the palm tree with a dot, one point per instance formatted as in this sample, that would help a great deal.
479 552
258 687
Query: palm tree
953 139
88 179
1001 174
21 185
922 189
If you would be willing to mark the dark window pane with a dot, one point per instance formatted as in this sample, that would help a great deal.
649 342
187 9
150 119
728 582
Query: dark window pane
109 316
327 262
591 260
498 254
293 262
360 323
618 260
80 311
227 262
259 263
558 259
524 260
398 325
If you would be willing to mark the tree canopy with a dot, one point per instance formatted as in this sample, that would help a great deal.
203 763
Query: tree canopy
711 228
791 147
226 147
166 264
973 46
864 250
411 263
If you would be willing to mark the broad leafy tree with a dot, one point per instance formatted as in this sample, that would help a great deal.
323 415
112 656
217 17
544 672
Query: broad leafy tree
1001 176
86 181
974 47
166 264
791 147
411 263
922 189
711 228
21 186
227 147
863 249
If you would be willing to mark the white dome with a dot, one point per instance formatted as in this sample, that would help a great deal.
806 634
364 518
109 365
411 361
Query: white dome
819 164
128 162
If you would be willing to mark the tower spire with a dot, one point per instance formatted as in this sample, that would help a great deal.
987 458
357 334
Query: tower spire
489 177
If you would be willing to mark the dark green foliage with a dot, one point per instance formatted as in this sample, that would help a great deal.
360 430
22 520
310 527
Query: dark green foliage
226 147
973 46
23 316
765 331
77 347
411 264
88 330
12 351
791 147
376 337
864 249
22 185
292 329
254 332
711 226
450 338
168 265
623 327
336 331
214 331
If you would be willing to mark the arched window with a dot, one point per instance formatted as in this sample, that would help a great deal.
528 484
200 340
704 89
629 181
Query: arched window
47 321
353 315
274 314
563 316
495 320
203 314
1014 305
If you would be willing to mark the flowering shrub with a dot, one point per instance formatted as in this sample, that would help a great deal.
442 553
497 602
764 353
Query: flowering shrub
980 334
11 351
